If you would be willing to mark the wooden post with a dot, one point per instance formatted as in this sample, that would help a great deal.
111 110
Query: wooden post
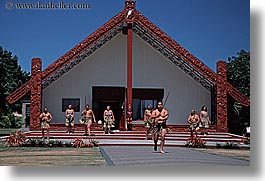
130 7
129 73
221 97
35 94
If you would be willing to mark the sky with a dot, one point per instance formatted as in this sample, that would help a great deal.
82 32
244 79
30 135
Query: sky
211 30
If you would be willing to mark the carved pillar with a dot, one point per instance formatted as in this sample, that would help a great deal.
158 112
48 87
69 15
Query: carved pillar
35 94
221 97
130 7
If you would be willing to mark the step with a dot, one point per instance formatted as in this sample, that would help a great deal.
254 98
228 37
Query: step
136 138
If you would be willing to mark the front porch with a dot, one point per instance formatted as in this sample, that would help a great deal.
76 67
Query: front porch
136 137
137 125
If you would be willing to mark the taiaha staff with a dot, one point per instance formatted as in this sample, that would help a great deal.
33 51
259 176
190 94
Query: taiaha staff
168 130
166 98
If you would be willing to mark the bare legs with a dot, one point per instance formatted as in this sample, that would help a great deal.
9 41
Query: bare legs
43 135
70 129
147 132
162 140
204 131
155 138
107 127
87 129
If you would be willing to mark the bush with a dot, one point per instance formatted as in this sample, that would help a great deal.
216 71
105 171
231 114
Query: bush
195 142
228 145
79 143
16 122
10 121
5 122
16 139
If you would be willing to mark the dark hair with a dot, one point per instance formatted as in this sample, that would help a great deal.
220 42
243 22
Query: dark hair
160 102
203 107
193 112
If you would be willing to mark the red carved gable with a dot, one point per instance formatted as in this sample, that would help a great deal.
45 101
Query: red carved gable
113 23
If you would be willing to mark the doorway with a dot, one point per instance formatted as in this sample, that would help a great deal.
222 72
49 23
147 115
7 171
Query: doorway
103 96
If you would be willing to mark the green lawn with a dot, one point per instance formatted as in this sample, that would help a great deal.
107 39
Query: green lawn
46 156
7 131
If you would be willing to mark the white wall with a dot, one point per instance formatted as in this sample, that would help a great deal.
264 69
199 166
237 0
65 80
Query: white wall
103 67
107 67
152 69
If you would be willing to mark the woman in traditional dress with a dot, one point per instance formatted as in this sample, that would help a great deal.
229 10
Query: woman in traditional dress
205 120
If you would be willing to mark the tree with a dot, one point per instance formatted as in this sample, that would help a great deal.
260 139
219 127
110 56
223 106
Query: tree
11 77
238 74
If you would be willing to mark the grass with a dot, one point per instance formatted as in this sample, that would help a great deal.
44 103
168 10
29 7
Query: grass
45 156
237 153
70 156
7 131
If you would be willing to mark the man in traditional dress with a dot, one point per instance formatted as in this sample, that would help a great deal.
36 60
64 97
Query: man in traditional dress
108 119
89 117
45 118
193 121
148 122
160 116
69 121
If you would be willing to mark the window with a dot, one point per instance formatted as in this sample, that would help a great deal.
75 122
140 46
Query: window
73 101
139 107
144 96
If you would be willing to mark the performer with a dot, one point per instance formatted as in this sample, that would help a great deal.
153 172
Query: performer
193 121
160 116
45 118
148 122
69 121
108 119
205 120
87 120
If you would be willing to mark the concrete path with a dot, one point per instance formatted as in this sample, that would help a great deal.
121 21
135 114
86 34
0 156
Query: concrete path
178 156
